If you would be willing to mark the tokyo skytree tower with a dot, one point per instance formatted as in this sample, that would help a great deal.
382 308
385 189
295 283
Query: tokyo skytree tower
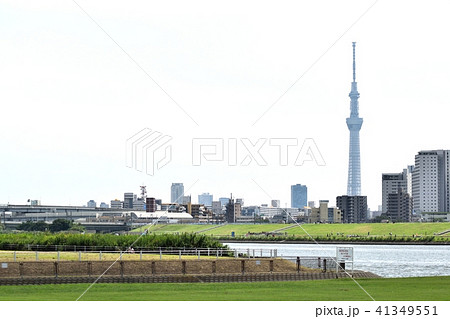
354 123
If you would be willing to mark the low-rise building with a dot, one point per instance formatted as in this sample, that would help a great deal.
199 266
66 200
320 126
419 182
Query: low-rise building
325 214
116 204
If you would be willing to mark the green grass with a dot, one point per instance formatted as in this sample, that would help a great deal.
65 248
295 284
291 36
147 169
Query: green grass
375 229
315 230
242 229
175 228
393 289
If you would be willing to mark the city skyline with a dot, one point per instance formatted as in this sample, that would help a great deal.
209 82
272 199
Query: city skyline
72 98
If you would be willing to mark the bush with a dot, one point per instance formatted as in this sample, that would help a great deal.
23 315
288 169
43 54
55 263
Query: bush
186 240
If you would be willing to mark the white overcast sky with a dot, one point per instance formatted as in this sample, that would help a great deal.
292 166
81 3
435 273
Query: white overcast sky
70 97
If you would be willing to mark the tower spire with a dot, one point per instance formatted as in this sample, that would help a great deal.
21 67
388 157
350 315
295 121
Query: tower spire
354 64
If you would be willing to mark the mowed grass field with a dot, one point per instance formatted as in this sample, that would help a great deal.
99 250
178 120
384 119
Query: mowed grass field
373 229
224 230
384 289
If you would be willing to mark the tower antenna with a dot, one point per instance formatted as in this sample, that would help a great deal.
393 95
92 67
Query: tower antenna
354 64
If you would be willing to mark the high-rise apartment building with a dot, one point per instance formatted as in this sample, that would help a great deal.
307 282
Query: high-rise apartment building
176 193
205 199
392 182
399 206
353 208
299 196
430 182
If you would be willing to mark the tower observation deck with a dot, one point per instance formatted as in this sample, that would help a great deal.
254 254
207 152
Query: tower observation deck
354 123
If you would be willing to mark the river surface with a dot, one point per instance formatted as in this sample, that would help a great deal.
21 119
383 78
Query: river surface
383 260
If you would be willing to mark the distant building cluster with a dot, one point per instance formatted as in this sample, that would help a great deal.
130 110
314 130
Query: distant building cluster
420 190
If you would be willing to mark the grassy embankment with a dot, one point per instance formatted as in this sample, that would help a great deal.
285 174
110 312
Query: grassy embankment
392 289
375 232
151 241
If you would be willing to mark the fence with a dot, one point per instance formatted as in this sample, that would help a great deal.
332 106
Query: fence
134 254
318 263
17 250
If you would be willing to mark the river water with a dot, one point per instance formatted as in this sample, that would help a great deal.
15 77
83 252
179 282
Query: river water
383 260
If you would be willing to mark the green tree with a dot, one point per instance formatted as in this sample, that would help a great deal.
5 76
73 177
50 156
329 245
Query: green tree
60 225
33 226
78 227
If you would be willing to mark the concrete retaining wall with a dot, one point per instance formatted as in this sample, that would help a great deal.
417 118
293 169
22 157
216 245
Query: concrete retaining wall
142 268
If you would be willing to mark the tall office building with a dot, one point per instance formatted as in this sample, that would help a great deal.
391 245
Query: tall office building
430 182
205 199
392 182
353 208
176 193
299 196
354 123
